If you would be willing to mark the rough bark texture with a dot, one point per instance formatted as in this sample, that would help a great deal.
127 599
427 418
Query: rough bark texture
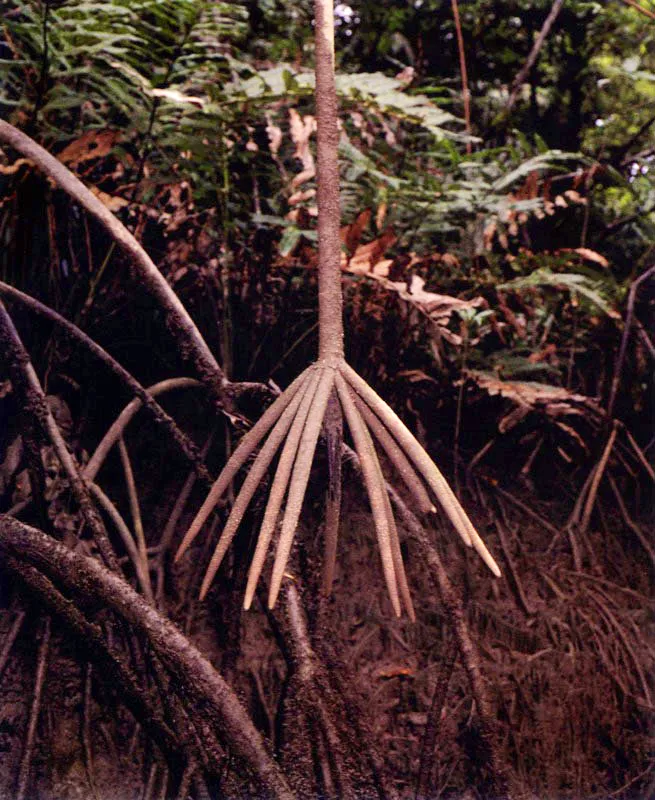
330 302
215 700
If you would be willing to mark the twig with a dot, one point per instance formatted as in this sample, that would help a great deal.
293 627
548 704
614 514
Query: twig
643 539
529 511
182 327
35 710
117 429
10 638
513 571
126 536
25 378
595 482
466 95
640 454
624 339
534 53
135 510
171 523
635 4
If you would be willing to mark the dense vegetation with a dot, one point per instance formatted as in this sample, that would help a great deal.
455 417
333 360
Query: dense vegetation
498 211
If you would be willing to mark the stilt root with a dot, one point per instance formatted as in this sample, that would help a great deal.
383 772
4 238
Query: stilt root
293 423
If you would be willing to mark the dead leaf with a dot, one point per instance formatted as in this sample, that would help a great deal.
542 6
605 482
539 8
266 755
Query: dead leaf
352 234
113 202
92 144
301 129
366 256
588 254
274 134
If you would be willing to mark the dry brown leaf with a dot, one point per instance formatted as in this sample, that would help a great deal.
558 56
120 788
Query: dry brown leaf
113 202
528 396
351 234
92 144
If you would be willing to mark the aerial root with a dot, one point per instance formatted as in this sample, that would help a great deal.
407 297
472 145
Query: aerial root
246 446
254 477
396 456
422 461
279 489
376 492
299 479
294 422
333 428
394 540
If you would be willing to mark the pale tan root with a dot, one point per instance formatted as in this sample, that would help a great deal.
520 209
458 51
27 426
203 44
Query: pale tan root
278 489
375 490
424 464
299 479
252 482
405 594
246 446
406 471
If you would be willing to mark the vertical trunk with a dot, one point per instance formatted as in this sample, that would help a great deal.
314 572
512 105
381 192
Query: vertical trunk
330 303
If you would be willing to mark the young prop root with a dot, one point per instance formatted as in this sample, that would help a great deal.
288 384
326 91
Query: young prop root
295 419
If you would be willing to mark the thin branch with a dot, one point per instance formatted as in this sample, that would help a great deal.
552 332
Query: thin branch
595 483
135 509
534 53
172 521
10 638
645 11
626 334
182 327
140 566
117 429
